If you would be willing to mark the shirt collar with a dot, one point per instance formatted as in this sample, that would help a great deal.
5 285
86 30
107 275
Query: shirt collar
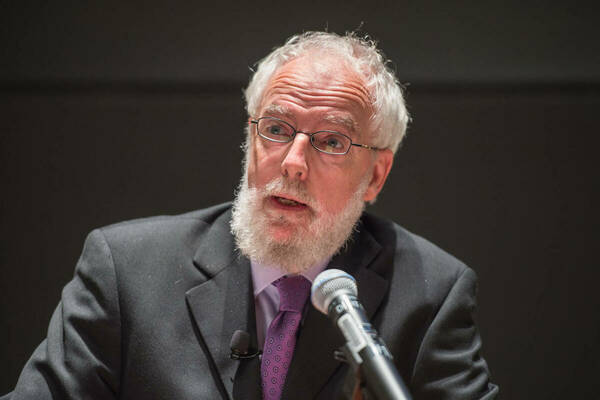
263 275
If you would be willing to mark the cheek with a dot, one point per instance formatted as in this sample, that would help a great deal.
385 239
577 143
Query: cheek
254 168
263 166
334 190
340 187
335 198
251 174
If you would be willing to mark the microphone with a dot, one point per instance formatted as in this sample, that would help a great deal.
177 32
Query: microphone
334 294
239 344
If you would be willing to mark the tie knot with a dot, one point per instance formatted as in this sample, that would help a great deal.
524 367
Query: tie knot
293 292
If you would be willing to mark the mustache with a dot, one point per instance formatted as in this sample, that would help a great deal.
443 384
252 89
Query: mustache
296 189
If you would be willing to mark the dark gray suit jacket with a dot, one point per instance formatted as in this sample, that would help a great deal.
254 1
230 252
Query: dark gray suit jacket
153 304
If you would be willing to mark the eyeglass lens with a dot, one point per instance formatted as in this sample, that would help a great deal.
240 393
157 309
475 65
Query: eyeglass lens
282 132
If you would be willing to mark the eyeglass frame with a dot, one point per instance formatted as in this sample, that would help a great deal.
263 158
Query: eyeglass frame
310 135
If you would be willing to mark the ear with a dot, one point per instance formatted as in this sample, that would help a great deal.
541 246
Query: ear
381 169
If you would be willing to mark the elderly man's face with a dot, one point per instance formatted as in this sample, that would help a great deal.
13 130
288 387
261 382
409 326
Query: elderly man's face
313 94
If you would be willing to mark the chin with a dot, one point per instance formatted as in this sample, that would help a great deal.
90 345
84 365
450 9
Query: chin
280 236
290 240
283 232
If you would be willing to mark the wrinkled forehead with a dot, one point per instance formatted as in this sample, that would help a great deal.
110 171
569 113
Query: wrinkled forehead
319 79
325 68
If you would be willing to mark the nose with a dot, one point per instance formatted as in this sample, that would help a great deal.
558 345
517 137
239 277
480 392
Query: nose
294 164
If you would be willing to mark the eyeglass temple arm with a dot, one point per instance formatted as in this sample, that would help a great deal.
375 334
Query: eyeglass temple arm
364 146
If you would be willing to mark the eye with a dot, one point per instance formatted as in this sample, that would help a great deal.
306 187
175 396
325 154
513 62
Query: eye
275 130
331 142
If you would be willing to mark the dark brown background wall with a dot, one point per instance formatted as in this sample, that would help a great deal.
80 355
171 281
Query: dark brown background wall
116 111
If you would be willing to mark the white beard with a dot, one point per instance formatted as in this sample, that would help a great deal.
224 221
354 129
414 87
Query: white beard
324 235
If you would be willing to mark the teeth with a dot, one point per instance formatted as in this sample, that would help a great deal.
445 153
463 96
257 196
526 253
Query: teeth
287 202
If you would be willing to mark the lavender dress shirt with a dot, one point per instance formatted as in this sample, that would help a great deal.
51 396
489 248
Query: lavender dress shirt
266 296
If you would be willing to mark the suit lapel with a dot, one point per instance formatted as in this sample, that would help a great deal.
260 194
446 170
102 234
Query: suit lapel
223 304
313 362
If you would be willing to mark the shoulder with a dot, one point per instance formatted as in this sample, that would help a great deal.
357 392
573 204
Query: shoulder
163 226
203 216
415 258
409 245
154 256
140 244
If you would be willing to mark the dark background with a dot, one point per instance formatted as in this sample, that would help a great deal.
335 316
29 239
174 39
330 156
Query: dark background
115 111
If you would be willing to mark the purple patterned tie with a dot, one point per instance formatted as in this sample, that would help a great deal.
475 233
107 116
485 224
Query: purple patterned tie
281 335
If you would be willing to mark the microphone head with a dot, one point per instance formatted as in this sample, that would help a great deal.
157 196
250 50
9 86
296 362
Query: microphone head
240 341
329 284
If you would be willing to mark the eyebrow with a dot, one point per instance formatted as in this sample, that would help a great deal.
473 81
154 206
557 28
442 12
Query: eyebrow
279 110
342 120
345 121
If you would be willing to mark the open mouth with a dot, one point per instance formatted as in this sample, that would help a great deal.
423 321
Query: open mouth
287 202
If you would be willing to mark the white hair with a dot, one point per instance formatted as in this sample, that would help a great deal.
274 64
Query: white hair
390 117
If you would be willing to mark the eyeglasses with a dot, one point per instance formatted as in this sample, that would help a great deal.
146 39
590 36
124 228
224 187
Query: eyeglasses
328 142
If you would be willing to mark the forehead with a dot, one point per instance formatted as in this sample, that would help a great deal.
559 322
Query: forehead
320 84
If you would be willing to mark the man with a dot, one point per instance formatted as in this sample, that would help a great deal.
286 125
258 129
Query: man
154 302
